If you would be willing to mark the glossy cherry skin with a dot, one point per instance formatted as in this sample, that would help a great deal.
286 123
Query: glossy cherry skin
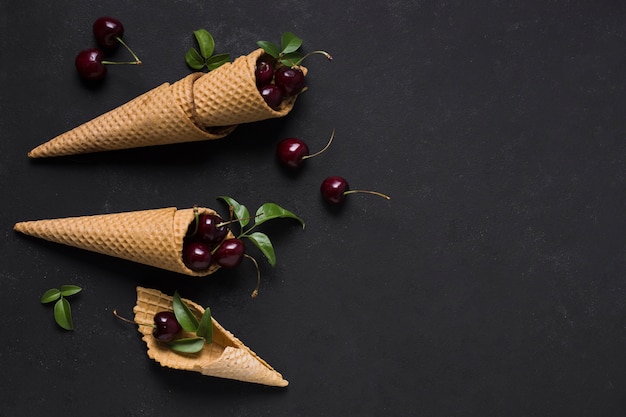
291 151
89 64
289 80
272 95
230 253
167 327
209 229
264 72
333 189
197 255
107 30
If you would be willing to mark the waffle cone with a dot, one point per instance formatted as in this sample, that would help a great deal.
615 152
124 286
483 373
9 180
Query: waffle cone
226 357
198 107
228 95
151 237
158 117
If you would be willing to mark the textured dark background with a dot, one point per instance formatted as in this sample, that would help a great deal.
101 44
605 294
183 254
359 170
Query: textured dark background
492 284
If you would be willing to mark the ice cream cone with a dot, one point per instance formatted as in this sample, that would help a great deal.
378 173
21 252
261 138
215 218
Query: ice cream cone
151 237
198 107
225 357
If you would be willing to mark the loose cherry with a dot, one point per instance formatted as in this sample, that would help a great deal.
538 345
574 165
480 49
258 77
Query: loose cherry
272 95
291 152
334 190
89 64
197 255
166 326
108 31
230 253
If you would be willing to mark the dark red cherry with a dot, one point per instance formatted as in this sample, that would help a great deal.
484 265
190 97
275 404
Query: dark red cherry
210 228
166 326
333 189
89 64
197 255
272 95
291 152
289 80
264 72
230 253
107 31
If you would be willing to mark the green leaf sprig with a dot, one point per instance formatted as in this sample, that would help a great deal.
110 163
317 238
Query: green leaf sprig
198 60
265 212
287 52
203 328
62 309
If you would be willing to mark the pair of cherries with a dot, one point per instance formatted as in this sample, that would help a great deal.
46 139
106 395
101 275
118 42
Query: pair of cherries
292 152
206 243
90 63
276 82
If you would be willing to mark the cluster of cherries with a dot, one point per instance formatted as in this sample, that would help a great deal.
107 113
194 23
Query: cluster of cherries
206 243
277 81
108 33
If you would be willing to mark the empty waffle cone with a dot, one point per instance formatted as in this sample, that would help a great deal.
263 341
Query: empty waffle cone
225 357
151 237
198 107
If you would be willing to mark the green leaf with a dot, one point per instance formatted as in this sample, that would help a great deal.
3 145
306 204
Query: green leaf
193 59
270 48
262 241
269 211
205 42
205 328
185 317
241 212
217 61
67 290
290 42
187 345
291 59
51 295
63 314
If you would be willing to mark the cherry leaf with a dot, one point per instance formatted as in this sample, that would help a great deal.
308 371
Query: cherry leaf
187 345
240 211
185 317
290 42
291 59
269 211
194 60
262 241
63 314
51 295
270 48
217 61
67 290
205 42
205 327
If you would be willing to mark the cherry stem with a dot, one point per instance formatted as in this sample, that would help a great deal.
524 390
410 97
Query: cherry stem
258 275
385 196
137 60
326 54
131 321
323 149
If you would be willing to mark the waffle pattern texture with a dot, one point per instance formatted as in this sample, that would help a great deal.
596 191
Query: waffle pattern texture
198 107
226 357
151 237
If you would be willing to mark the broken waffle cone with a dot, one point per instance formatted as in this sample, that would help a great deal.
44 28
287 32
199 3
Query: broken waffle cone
225 357
201 106
151 237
